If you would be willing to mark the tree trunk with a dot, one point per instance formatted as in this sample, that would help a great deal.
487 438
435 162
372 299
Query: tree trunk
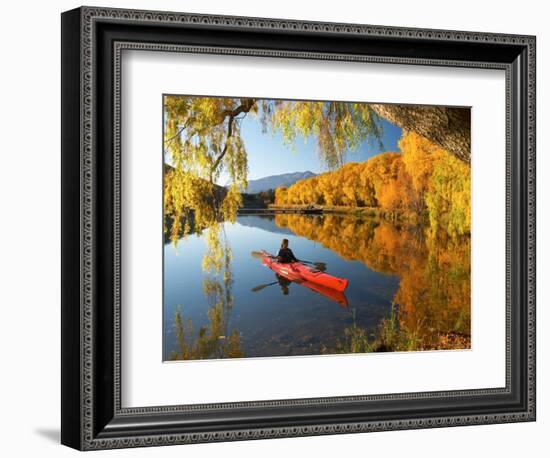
448 128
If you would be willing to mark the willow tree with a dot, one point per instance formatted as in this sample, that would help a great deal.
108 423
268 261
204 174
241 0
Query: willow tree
202 141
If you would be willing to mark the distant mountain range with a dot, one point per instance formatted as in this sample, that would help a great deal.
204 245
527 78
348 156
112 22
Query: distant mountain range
276 181
265 183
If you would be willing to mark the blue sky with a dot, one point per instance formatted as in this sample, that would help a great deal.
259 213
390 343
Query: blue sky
267 155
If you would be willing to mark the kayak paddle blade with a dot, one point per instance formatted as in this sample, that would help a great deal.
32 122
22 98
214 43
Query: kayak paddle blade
321 266
257 254
260 287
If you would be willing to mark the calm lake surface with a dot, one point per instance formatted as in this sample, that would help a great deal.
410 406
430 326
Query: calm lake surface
289 319
270 322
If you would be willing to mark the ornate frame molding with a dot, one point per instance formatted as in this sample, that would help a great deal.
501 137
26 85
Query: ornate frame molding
89 434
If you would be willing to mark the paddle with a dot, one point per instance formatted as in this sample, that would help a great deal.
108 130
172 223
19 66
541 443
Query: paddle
318 265
260 287
258 254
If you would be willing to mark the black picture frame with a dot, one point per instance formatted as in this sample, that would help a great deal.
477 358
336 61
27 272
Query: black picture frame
92 40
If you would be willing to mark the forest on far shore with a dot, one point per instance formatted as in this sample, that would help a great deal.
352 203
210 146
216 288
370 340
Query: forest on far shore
423 180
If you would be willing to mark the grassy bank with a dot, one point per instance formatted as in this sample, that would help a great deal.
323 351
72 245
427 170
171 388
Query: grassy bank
389 336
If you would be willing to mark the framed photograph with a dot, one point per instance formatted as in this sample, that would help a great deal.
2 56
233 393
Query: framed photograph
276 228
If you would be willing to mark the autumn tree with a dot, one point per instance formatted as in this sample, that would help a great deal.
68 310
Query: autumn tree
422 179
202 140
389 196
281 196
449 197
442 181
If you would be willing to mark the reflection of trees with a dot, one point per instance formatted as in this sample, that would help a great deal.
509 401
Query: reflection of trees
342 234
213 340
434 291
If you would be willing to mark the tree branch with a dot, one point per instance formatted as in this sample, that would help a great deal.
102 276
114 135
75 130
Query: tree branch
179 131
448 128
244 108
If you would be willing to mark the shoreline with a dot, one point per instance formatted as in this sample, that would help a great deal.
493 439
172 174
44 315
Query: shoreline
313 209
360 212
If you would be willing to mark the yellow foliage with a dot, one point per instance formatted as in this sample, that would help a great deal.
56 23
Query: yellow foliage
202 141
423 179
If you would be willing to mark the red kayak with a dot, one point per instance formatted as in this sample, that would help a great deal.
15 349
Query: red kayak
297 271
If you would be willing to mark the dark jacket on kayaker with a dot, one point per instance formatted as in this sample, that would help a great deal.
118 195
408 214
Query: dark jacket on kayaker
285 254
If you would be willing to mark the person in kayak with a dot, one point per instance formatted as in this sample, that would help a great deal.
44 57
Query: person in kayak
285 254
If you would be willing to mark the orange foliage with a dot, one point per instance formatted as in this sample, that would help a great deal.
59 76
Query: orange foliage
433 298
423 179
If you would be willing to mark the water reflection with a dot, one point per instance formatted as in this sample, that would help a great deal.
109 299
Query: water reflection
284 284
409 290
434 271
212 340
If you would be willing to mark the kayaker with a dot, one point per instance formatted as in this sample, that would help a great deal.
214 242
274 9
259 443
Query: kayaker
285 254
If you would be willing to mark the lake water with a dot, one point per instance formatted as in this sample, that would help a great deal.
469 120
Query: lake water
284 319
